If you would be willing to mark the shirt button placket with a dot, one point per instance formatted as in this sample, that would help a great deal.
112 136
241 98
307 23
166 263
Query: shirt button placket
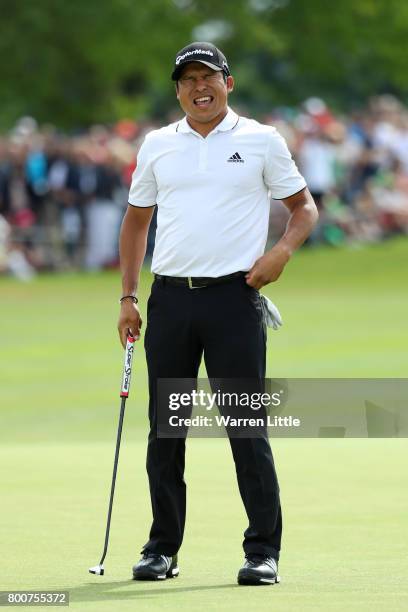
202 162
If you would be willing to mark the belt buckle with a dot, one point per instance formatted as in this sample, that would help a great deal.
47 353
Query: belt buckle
190 283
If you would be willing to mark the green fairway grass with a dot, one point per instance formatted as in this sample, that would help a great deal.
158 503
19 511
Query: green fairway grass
344 501
345 536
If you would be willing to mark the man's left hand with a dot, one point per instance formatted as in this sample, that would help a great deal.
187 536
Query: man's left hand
268 268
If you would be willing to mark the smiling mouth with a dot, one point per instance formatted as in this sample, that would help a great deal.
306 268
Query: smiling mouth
203 101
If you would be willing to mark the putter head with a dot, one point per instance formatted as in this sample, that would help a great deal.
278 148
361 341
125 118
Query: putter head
98 569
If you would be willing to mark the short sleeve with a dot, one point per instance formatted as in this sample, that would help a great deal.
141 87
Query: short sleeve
143 190
281 175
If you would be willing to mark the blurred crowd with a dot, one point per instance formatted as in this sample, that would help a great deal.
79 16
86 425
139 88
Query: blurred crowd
62 197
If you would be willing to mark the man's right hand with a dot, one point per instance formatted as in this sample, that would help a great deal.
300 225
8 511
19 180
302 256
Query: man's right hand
130 321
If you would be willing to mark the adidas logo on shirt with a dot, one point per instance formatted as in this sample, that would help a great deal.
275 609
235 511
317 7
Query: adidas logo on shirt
236 158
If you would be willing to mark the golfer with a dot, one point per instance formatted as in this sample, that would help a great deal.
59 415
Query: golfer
211 176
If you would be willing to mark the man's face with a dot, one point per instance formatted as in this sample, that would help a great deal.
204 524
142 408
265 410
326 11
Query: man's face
202 92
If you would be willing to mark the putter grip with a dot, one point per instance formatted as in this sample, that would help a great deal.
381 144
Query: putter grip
127 367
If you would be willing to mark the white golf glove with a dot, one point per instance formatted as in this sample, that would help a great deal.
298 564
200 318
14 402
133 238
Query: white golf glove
271 314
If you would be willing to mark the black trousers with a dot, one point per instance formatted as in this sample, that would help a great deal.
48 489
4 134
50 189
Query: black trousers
224 323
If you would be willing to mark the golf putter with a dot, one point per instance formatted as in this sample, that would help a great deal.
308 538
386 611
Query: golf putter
124 394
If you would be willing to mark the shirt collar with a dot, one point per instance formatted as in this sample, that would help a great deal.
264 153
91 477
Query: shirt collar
230 121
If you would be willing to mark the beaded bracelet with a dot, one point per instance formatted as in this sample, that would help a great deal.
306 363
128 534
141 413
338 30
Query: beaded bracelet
133 297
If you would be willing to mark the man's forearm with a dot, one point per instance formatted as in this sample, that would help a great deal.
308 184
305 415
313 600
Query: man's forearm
302 220
132 251
132 247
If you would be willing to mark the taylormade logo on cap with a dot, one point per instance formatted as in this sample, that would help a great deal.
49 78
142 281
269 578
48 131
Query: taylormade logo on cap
203 52
180 58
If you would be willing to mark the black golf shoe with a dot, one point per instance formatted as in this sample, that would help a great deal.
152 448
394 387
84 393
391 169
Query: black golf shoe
153 566
258 569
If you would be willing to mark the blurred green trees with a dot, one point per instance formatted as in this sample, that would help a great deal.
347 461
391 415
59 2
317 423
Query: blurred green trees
83 61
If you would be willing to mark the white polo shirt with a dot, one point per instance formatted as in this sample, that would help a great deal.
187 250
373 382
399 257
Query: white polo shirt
212 193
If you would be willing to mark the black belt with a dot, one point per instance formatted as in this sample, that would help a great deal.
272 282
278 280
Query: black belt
197 282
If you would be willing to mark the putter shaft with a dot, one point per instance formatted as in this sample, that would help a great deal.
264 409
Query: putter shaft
124 393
